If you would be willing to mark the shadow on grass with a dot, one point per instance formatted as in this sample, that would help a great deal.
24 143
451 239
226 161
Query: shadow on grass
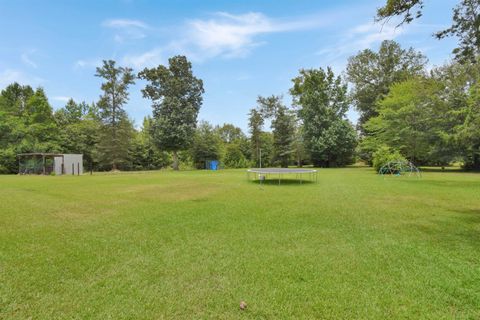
283 182
341 167
469 211
444 183
471 218
461 225
448 170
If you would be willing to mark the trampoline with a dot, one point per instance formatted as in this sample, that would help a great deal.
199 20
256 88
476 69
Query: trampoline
262 174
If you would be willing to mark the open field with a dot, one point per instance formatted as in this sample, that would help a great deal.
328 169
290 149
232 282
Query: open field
194 244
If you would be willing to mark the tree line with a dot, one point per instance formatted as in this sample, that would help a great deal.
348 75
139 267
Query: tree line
426 117
407 112
429 117
107 137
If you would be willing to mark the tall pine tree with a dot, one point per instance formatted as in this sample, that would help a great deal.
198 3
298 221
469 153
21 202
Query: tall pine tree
283 127
116 129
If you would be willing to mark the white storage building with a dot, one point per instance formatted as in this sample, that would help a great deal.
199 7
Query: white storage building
72 164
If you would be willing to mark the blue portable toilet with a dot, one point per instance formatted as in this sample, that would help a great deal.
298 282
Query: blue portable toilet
212 165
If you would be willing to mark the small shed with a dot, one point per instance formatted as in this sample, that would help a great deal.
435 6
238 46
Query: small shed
48 163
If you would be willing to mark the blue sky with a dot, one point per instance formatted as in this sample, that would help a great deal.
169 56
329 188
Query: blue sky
241 49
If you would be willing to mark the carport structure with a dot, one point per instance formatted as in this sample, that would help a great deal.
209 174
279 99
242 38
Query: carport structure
39 163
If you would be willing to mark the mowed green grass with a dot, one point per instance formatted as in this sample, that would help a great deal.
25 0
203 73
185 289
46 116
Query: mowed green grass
192 245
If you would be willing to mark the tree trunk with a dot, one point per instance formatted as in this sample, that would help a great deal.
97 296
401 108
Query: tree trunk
114 130
476 162
175 160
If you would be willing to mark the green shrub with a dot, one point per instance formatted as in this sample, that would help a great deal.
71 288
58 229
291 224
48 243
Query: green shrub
365 149
234 157
8 161
385 154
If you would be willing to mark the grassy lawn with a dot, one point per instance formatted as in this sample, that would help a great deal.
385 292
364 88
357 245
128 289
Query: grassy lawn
192 245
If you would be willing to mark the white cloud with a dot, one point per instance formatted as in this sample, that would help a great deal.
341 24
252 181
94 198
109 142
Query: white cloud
243 77
360 37
61 98
372 33
124 23
147 59
82 64
25 57
9 76
126 29
230 35
223 35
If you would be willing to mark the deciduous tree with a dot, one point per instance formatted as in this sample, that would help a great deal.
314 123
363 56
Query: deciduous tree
411 120
230 133
176 96
206 146
465 26
322 101
372 73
